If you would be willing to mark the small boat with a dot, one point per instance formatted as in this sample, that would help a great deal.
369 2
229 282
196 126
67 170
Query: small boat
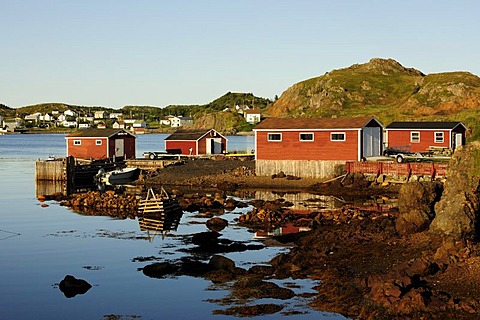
117 176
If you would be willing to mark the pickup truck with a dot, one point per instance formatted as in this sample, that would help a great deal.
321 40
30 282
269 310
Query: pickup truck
152 155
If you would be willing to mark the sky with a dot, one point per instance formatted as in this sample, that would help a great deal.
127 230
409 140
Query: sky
113 53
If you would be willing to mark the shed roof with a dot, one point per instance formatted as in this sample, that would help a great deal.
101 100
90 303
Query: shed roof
189 134
314 123
424 125
97 133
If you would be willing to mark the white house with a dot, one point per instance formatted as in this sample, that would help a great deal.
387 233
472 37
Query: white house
47 117
100 114
83 125
118 125
252 116
139 124
34 117
61 118
70 113
181 121
116 115
69 124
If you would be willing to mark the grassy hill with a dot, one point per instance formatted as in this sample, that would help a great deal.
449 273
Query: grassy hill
385 89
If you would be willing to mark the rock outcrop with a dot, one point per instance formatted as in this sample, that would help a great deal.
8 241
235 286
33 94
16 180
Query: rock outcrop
416 202
457 213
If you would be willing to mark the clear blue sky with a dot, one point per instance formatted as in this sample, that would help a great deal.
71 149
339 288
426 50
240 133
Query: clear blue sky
119 52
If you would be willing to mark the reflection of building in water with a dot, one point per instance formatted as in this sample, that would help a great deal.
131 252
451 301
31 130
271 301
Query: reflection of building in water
306 202
46 187
158 213
303 201
287 229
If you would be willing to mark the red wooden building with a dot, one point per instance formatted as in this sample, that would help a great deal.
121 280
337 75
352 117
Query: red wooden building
196 142
98 144
420 136
313 147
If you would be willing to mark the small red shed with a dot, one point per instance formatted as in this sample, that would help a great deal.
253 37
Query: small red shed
420 136
313 147
196 142
101 144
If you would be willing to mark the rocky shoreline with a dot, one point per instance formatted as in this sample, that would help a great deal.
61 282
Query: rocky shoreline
418 261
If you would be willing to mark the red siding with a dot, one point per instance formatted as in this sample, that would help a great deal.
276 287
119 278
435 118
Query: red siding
427 139
88 148
291 148
183 146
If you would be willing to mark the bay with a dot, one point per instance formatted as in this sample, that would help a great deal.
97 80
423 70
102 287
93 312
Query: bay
39 246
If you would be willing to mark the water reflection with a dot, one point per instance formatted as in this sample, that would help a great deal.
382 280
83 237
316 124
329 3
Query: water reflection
307 202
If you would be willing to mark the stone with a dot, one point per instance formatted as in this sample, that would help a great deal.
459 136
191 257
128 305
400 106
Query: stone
218 262
71 286
216 224
159 269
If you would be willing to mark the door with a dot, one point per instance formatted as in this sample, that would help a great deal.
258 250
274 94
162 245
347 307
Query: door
214 146
371 141
458 140
119 148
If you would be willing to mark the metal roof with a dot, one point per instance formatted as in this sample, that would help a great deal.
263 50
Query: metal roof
424 125
314 123
189 134
97 133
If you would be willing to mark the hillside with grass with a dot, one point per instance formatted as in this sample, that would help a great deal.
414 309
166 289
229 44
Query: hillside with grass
387 90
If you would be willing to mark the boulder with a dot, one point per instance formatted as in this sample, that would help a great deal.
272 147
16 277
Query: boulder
216 224
416 202
71 286
457 213
218 262
159 269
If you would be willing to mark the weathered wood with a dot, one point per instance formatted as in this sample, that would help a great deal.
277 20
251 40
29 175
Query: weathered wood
50 170
299 168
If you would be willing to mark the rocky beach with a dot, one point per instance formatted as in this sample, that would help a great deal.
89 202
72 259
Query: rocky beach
420 260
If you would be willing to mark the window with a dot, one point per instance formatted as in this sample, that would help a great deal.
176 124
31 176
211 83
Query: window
415 136
306 136
98 142
77 142
439 137
337 136
274 137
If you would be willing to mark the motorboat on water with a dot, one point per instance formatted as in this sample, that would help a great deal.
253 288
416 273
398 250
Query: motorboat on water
117 176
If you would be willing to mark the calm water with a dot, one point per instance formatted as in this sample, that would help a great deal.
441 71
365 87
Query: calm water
39 246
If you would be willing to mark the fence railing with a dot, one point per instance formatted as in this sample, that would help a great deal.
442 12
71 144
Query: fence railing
432 170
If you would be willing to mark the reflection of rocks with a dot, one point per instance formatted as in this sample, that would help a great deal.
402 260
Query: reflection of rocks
251 311
210 242
71 286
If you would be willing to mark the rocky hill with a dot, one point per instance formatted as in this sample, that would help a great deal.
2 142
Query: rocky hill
387 90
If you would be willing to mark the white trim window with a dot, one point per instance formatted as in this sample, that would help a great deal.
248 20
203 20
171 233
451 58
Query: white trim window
439 137
77 142
415 136
274 137
98 142
306 136
337 136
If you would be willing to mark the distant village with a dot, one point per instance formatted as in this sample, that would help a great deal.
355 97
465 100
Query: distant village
103 119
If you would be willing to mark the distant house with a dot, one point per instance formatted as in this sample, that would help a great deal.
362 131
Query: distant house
314 147
116 115
252 115
139 124
181 121
100 114
47 117
33 118
101 144
420 136
196 142
118 125
101 125
12 124
69 124
83 125
70 113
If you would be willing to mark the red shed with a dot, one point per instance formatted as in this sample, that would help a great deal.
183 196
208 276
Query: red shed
313 147
196 142
420 136
101 144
